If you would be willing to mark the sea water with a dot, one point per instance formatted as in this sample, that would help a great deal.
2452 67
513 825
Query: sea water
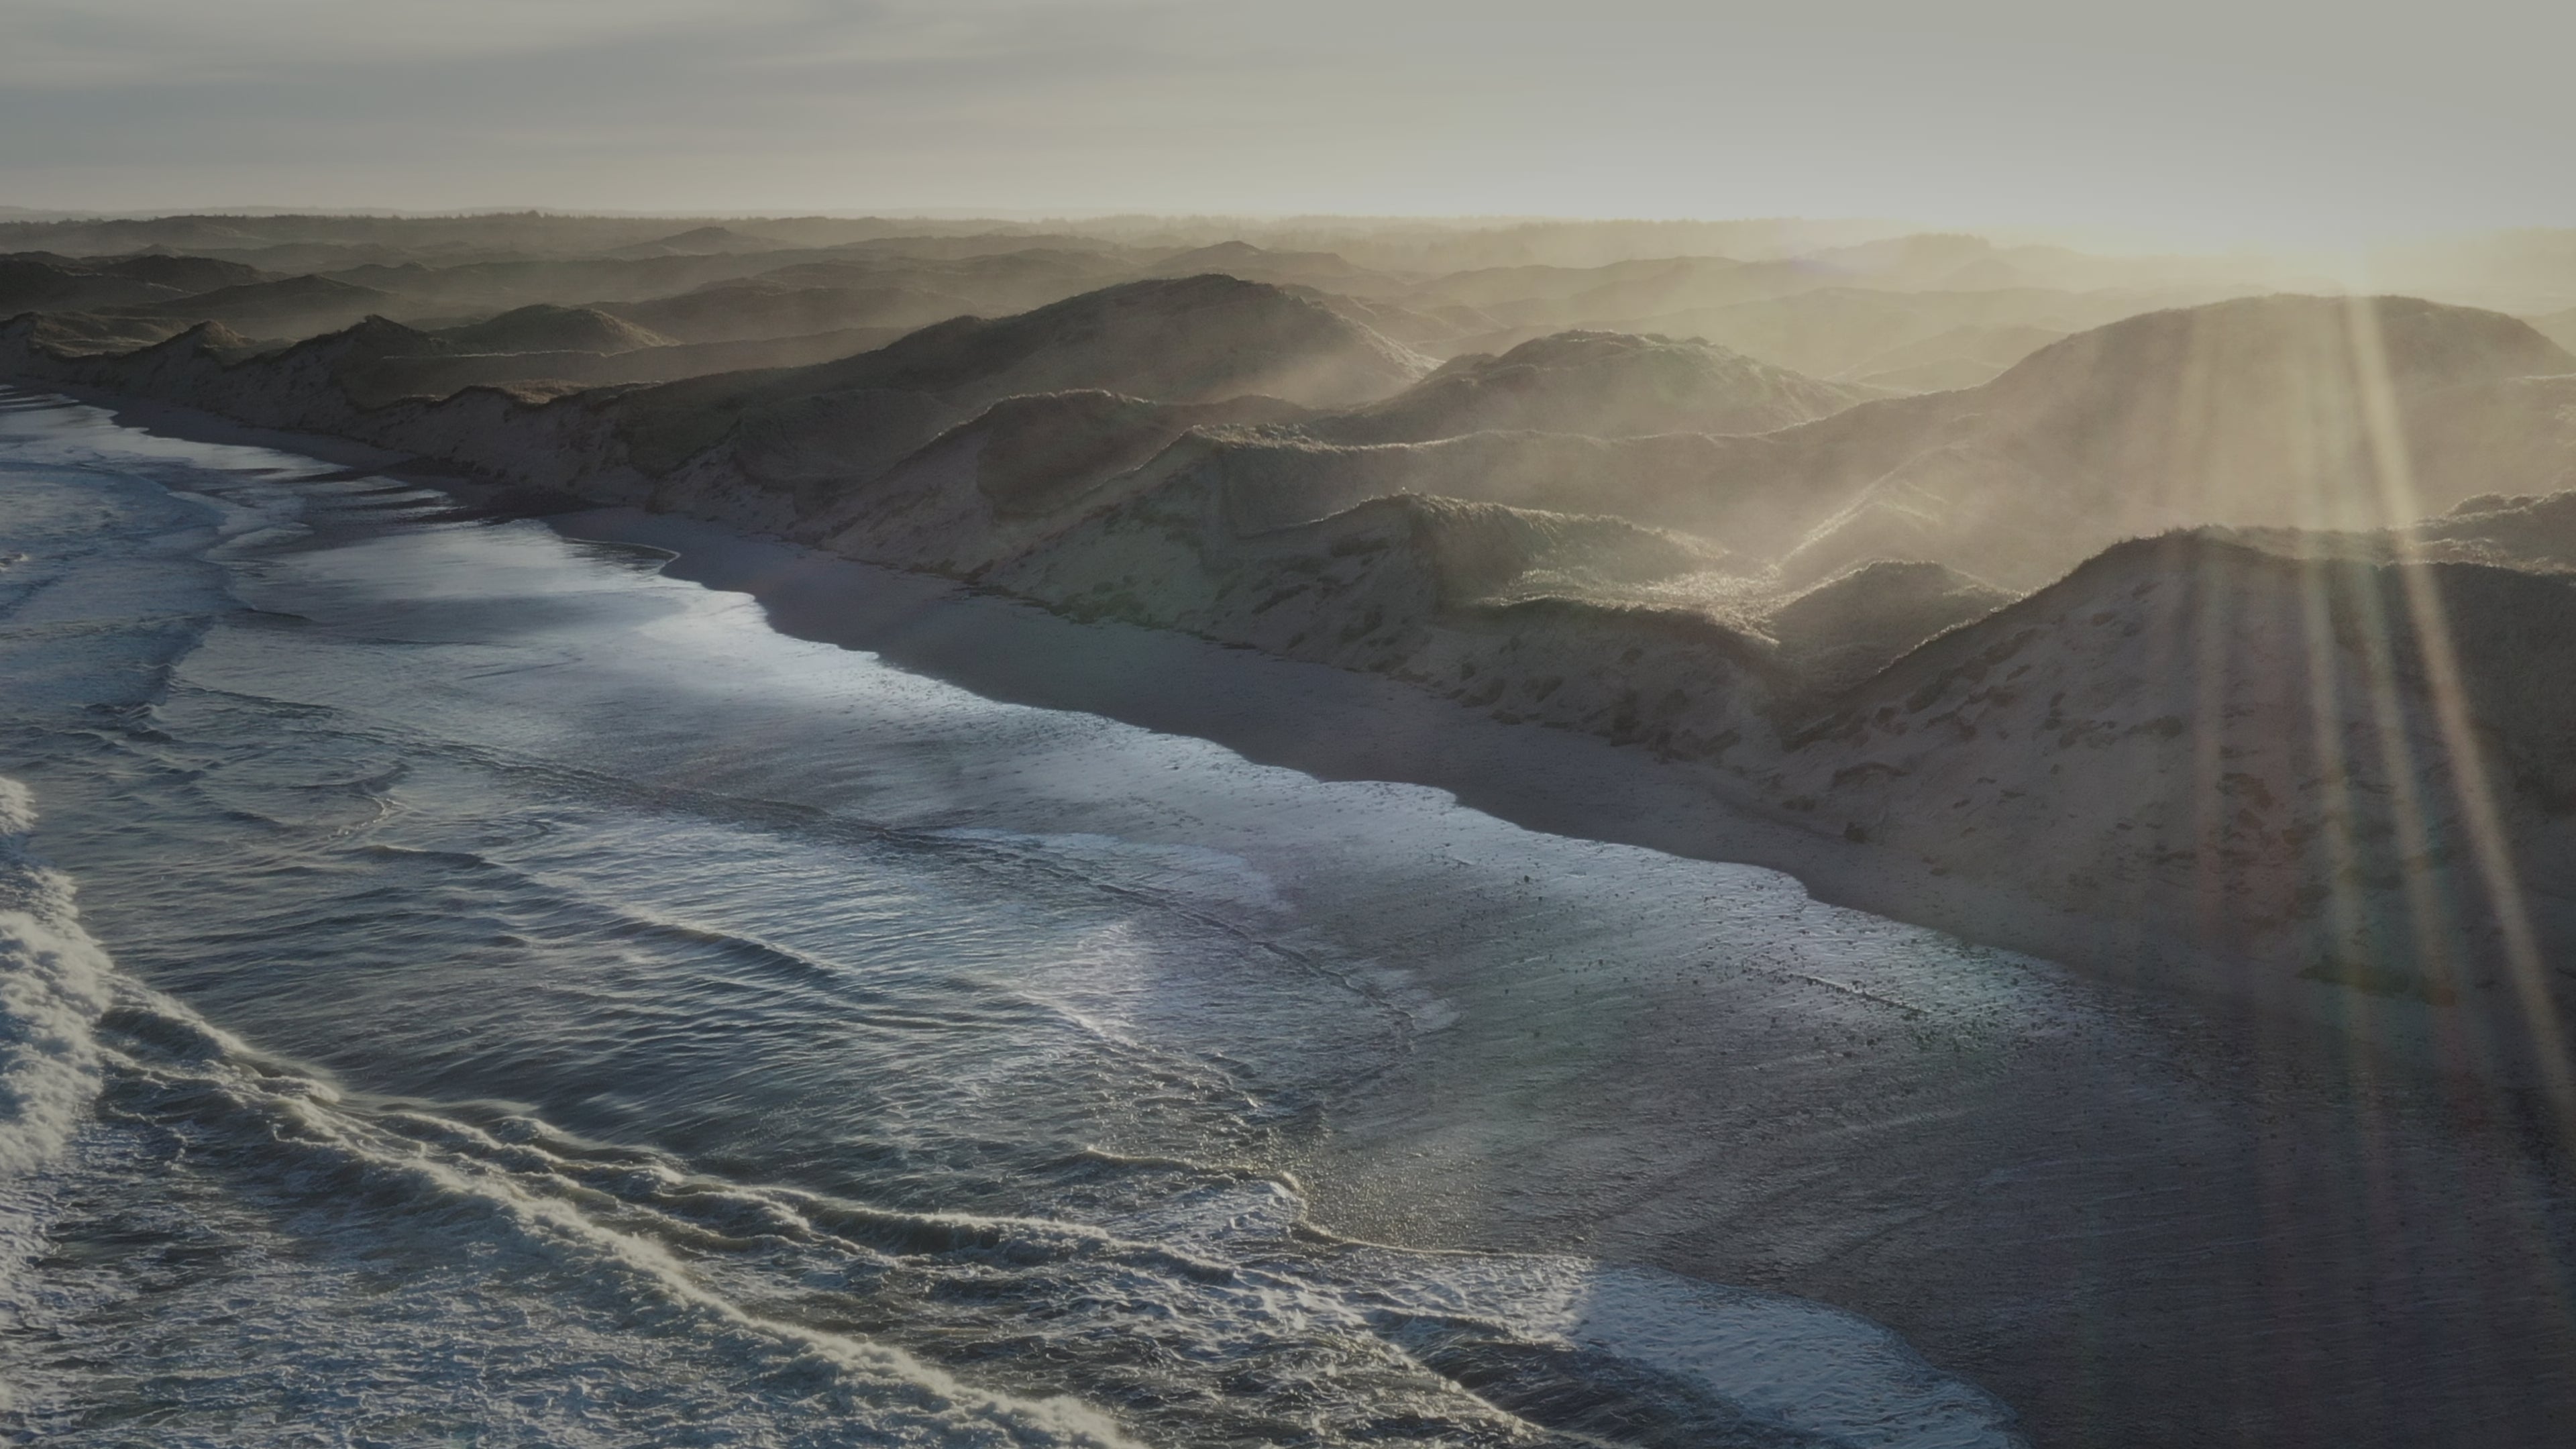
461 986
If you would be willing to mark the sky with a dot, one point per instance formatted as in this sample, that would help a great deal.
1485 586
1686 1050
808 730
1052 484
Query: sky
2188 121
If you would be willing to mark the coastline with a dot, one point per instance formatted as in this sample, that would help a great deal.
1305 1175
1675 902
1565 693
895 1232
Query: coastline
1347 725
1779 1183
2075 839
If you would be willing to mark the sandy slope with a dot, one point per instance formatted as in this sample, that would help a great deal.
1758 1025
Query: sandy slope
2558 327
1598 384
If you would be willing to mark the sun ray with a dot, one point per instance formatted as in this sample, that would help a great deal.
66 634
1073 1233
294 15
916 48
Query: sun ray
2482 813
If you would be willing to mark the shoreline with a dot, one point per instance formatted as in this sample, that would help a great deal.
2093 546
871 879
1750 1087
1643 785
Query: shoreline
1536 776
1989 1197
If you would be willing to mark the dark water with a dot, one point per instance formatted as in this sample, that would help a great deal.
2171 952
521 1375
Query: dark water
460 986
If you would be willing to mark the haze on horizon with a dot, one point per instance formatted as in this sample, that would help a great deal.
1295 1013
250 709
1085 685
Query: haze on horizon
2196 123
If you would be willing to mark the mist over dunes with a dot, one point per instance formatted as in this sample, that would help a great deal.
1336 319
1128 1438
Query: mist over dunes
1600 384
2252 411
543 327
1853 520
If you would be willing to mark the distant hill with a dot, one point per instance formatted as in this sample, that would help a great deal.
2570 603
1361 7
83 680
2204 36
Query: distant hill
1556 298
701 241
2248 413
769 306
173 291
1279 268
191 275
289 307
1855 334
1414 329
1182 340
473 288
2255 411
1602 384
547 328
1950 261
42 281
123 236
991 283
1837 332
377 362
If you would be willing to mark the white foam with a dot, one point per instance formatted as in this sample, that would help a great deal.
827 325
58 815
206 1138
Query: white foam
1790 1361
53 989
511 1211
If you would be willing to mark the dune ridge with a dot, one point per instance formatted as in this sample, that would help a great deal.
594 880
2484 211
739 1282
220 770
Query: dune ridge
2012 630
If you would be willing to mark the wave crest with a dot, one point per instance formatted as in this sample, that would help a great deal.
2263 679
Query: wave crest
53 989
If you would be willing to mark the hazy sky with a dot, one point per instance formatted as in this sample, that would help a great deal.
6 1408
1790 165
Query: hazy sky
2193 119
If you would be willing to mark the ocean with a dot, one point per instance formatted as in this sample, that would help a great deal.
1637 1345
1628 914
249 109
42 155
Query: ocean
460 985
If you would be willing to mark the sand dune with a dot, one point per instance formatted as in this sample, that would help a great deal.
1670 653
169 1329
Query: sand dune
2255 749
759 307
1007 281
2248 412
39 281
701 241
1279 268
194 276
1018 475
546 328
1191 339
288 307
1597 384
1851 626
2558 327
90 333
440 367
